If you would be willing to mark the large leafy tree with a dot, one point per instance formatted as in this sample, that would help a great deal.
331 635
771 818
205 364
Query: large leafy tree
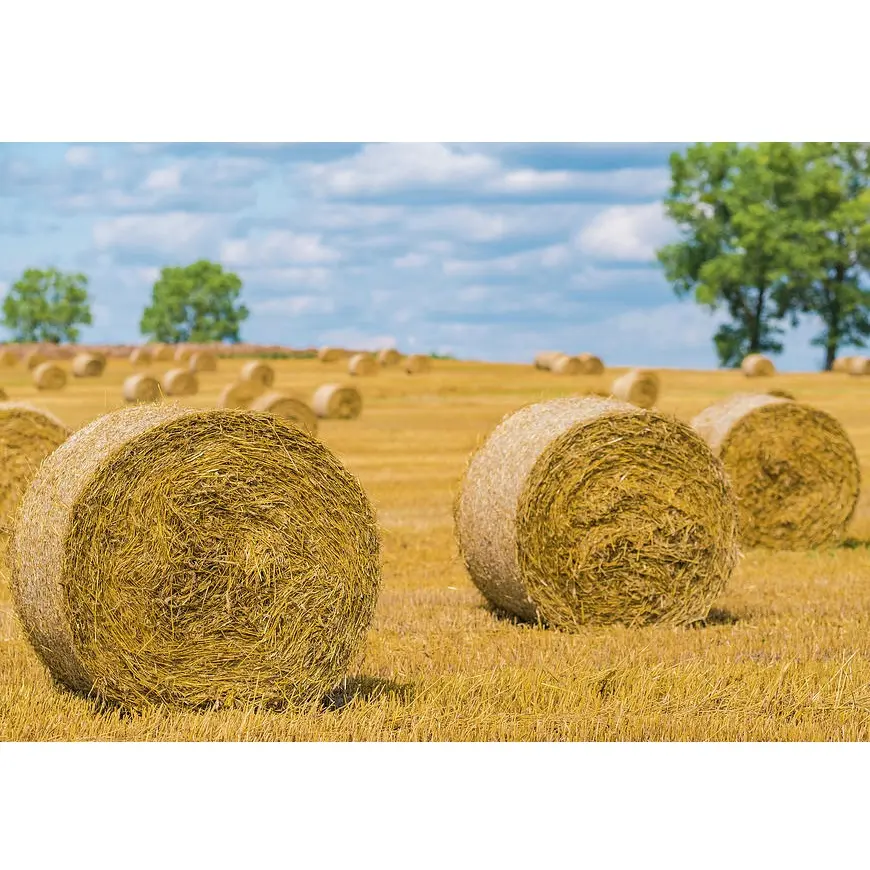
741 240
198 303
47 305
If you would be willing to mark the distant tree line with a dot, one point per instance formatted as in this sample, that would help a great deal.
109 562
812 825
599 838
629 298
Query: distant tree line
198 303
770 232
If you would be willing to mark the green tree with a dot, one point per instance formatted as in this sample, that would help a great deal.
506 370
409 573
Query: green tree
834 204
47 305
740 240
196 303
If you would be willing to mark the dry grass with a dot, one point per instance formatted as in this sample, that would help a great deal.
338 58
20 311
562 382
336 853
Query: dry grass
784 655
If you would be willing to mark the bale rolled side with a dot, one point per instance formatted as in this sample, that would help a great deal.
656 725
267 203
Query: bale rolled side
566 365
88 365
141 388
160 352
545 359
417 364
49 376
259 372
240 394
140 356
179 382
362 365
757 366
34 359
859 365
841 364
639 387
195 557
388 356
330 354
183 353
591 364
288 408
202 361
337 402
8 358
793 468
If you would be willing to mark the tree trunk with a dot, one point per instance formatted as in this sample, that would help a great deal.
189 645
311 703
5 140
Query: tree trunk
755 328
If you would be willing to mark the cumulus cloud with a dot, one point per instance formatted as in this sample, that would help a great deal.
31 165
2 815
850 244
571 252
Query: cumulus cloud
80 155
549 257
294 306
170 233
278 246
410 261
626 232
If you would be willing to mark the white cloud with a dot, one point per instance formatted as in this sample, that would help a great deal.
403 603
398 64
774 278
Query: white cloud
170 232
312 276
165 179
548 257
279 246
294 305
80 155
669 327
626 232
411 261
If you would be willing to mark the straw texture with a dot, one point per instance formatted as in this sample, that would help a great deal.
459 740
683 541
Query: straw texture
88 365
859 365
141 388
258 372
362 365
240 394
591 364
288 408
8 358
545 359
34 359
757 366
417 364
202 361
389 356
49 376
639 387
566 365
179 382
337 402
140 356
183 353
330 354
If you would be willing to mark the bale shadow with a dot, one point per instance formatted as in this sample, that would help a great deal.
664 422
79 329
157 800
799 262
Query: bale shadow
717 616
854 544
366 689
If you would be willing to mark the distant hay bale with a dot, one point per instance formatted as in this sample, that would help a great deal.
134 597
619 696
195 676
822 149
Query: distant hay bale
240 394
842 364
793 468
591 365
330 354
337 402
781 394
757 366
202 361
566 365
389 356
183 353
258 372
140 356
859 365
88 365
160 352
27 436
417 364
141 388
362 365
288 408
3 396
545 359
49 376
34 359
196 558
8 358
180 382
639 387
585 510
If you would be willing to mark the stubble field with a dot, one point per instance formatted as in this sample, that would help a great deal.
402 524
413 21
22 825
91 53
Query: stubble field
785 654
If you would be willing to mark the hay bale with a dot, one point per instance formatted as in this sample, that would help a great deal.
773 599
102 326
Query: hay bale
584 510
140 356
49 376
3 396
8 358
258 372
417 364
859 365
27 436
183 353
362 365
160 352
591 364
841 364
34 359
202 361
757 366
141 388
566 365
781 394
288 408
337 402
179 382
240 394
195 557
389 356
330 354
545 359
793 468
88 365
639 387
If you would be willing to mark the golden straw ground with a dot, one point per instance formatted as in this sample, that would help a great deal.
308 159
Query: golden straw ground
195 557
793 467
578 511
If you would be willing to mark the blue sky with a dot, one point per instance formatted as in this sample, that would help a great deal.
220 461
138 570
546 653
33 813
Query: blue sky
486 251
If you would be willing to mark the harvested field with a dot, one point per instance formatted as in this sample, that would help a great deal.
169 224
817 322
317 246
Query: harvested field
783 655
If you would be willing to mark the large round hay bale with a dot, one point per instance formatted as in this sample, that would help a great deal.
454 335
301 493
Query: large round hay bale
8 358
859 365
141 388
180 382
202 361
757 366
841 364
160 352
195 557
793 468
587 510
88 365
286 407
240 394
592 365
49 376
389 356
140 356
34 359
362 365
417 364
183 353
27 436
639 387
337 402
566 365
258 372
545 359
330 354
